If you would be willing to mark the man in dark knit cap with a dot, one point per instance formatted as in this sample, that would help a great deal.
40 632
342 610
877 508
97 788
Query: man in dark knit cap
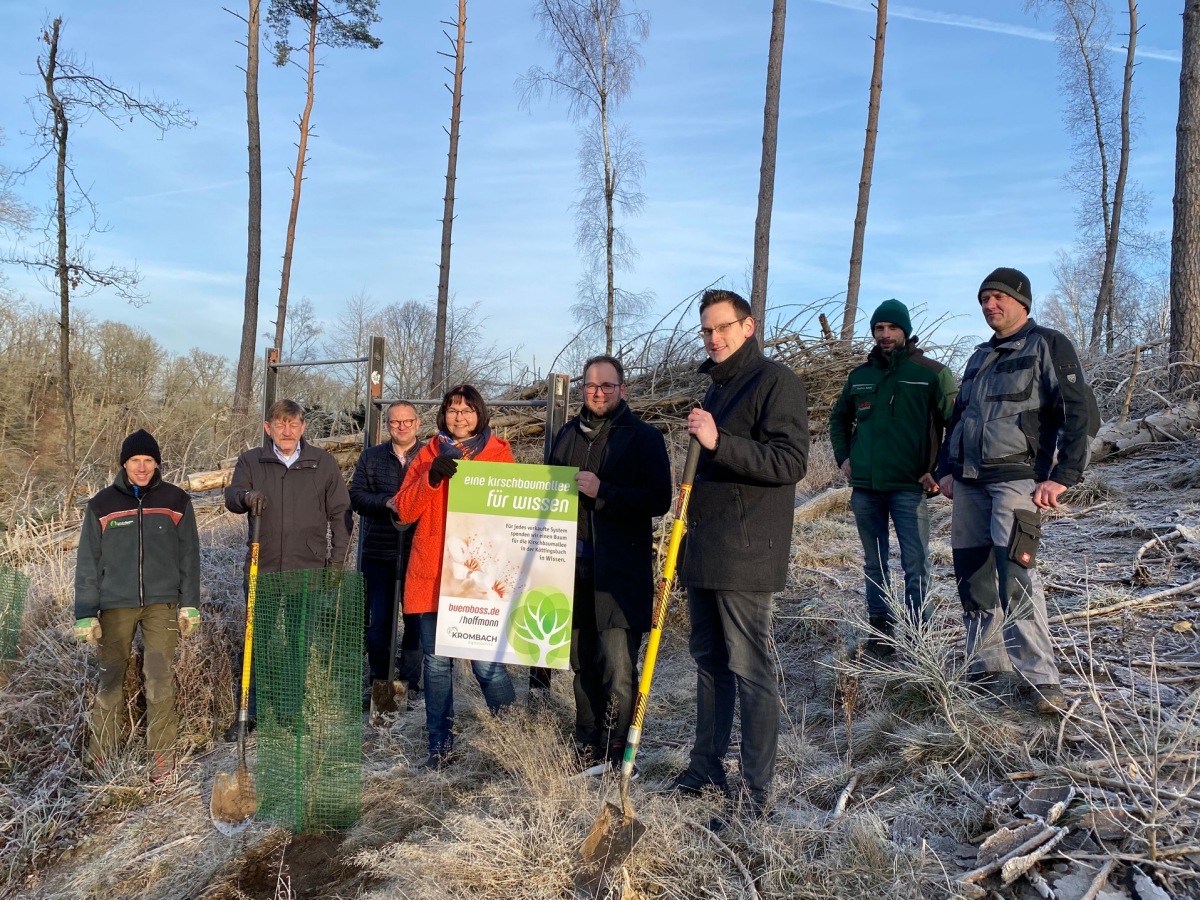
886 428
138 564
1023 397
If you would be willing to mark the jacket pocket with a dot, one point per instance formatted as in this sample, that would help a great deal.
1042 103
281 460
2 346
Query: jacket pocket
864 397
741 517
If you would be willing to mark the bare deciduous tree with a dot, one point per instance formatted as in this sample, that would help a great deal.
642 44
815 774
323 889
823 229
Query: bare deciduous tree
596 48
766 172
850 314
327 23
70 94
1099 118
407 329
437 372
1185 234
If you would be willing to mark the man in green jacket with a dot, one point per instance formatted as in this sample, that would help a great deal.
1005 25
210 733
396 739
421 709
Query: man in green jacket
886 428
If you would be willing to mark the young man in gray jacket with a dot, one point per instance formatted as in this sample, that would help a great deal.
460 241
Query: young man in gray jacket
1017 439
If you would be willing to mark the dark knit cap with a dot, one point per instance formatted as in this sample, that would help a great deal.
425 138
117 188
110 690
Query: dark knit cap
895 312
1012 282
140 443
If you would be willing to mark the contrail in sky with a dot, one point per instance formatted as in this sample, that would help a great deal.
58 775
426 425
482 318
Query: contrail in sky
960 21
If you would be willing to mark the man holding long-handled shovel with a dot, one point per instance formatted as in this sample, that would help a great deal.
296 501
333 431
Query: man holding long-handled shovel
296 492
753 426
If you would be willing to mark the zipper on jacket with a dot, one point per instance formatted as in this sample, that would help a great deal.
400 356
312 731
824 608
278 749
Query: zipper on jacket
141 553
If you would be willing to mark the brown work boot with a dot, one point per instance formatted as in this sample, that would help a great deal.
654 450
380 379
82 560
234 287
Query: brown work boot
1047 699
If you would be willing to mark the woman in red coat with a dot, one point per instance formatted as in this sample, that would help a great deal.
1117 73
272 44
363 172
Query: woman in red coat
463 433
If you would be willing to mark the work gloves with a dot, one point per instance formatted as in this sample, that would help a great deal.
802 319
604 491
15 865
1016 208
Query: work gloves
189 620
441 468
87 630
255 502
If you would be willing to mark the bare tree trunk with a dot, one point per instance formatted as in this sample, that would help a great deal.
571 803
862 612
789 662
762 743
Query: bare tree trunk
610 309
766 172
245 365
1081 37
1185 234
298 175
437 375
1106 305
61 126
850 315
610 188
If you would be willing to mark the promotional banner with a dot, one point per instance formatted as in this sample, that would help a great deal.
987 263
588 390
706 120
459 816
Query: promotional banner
508 574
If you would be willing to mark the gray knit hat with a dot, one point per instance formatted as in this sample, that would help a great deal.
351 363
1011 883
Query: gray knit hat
1010 281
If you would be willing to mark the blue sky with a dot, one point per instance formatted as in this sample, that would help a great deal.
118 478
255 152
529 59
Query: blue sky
968 174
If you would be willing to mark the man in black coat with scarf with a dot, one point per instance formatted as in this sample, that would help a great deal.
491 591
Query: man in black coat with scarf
753 426
624 482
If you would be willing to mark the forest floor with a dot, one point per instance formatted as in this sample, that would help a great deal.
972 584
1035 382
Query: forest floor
894 779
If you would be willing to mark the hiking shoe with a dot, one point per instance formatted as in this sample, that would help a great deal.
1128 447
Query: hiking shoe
438 760
880 648
231 733
690 784
414 698
163 766
1047 699
991 684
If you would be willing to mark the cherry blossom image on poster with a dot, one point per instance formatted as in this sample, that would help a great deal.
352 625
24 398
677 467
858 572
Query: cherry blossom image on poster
508 573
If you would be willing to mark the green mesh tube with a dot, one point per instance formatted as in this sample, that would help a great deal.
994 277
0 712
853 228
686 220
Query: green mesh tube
308 668
13 588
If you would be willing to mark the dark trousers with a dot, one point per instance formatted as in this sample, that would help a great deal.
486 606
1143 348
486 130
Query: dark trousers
729 642
379 576
606 673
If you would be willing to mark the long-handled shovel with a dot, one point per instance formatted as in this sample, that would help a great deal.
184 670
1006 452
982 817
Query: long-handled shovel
233 801
617 829
385 693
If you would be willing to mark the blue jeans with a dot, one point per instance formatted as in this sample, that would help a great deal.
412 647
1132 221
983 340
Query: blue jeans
493 680
379 576
729 642
909 512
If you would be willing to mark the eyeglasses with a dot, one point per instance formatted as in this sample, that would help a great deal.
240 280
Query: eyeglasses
606 387
461 413
719 330
403 423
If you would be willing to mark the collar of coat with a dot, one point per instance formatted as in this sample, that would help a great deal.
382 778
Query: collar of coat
890 360
727 370
1013 342
121 483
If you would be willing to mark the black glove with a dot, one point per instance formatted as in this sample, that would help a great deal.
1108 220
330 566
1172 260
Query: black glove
255 502
441 468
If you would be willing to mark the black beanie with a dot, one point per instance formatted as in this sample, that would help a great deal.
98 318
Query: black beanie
895 312
1012 282
140 443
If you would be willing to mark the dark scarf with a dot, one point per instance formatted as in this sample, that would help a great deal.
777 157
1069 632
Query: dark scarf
593 426
468 449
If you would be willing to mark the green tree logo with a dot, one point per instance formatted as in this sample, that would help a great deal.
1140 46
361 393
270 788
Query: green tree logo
539 627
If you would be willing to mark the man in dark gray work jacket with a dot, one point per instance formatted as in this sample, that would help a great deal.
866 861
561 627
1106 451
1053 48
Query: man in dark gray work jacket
297 492
753 426
1017 439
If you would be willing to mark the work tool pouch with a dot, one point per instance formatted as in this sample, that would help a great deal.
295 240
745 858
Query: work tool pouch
1025 538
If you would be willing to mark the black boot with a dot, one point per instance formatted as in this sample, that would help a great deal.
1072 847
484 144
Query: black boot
879 644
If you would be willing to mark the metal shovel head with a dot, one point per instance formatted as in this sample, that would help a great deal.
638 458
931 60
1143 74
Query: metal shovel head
608 845
384 696
233 802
